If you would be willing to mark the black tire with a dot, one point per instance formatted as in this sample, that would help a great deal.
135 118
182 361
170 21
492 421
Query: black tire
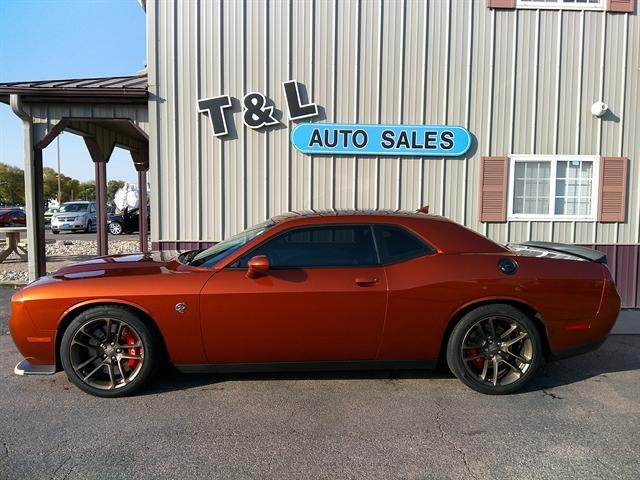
470 326
89 227
151 351
55 232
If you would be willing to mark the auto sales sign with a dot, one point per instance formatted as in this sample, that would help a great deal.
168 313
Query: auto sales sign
336 138
374 140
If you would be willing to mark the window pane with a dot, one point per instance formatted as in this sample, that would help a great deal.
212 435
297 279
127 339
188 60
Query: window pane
395 244
329 246
531 187
573 187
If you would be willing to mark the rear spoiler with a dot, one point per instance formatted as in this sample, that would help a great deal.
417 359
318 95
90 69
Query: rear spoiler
575 250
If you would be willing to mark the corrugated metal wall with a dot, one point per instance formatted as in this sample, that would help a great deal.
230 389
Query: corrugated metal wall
521 81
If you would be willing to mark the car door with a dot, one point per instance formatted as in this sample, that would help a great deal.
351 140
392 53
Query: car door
323 299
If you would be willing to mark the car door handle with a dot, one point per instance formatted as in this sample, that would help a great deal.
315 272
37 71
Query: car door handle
366 281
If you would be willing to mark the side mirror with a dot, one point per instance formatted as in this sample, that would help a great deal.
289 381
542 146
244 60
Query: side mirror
258 265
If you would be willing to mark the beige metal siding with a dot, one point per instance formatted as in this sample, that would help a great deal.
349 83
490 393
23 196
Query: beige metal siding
522 81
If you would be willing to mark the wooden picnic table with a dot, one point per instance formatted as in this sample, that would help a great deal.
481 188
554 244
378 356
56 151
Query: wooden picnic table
12 235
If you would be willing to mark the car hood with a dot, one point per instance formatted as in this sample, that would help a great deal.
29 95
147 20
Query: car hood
120 265
68 214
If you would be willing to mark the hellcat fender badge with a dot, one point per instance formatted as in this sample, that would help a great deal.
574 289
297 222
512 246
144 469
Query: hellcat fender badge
181 307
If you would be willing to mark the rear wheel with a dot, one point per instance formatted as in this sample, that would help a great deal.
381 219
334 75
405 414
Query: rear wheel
108 351
115 228
494 349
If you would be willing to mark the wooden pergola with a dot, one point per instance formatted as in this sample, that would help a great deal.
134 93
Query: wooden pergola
106 112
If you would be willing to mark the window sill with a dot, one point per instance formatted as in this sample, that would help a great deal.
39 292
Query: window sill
572 8
550 218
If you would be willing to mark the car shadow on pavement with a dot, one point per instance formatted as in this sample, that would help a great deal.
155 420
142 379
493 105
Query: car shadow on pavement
619 353
171 379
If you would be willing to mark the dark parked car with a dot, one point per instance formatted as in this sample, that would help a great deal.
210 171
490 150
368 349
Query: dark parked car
12 217
125 222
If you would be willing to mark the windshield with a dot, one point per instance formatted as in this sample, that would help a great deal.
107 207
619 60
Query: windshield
214 254
74 207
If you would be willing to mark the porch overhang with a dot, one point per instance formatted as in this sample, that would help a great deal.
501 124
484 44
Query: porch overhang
106 112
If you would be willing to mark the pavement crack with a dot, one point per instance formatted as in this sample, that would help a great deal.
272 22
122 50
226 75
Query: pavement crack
444 436
57 469
5 452
552 395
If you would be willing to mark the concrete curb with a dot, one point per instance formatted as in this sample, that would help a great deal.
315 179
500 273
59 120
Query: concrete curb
628 323
15 285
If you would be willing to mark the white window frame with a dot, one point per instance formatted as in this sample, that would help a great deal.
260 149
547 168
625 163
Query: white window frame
560 5
554 159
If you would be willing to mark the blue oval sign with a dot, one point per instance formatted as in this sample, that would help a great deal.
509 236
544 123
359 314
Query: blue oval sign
375 140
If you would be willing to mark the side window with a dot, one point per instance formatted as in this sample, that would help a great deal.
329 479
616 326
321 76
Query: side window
322 246
396 244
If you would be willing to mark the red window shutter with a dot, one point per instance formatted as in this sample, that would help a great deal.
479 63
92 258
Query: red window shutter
613 189
501 4
493 189
621 6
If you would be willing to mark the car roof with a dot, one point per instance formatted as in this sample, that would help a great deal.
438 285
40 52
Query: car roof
78 201
334 214
442 233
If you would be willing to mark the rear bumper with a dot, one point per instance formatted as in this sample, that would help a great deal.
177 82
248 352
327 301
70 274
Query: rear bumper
26 368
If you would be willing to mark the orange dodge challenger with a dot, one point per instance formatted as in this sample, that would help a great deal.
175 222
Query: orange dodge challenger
308 291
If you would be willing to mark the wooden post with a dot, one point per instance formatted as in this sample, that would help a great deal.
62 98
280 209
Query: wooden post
141 162
100 162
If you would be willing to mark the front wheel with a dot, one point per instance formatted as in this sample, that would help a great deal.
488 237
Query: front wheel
89 228
108 351
494 349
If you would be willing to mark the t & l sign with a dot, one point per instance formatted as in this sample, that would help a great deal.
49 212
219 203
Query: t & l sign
335 138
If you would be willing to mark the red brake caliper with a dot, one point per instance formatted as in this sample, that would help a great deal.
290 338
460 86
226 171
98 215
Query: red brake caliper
130 340
478 362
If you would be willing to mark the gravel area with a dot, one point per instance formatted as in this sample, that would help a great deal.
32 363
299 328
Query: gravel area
60 253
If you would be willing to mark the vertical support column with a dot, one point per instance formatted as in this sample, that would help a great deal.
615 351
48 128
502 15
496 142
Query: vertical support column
143 217
100 162
141 162
101 207
34 196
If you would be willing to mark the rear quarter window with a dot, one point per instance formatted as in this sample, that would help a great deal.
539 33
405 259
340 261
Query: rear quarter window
396 244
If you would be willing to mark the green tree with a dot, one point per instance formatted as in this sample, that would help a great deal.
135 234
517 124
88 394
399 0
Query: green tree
11 185
86 191
69 187
112 187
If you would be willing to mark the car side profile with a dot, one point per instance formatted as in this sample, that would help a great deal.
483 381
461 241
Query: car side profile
320 290
74 216
12 217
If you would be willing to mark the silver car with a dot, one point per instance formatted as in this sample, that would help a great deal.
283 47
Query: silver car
74 216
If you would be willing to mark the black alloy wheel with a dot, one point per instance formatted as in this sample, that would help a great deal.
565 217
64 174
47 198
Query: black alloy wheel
109 351
494 349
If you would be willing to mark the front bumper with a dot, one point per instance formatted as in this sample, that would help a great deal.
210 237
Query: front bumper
26 368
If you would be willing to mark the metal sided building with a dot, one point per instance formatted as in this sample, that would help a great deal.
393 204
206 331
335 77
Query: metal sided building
548 89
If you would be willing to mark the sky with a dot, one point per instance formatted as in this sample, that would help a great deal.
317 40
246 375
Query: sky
59 39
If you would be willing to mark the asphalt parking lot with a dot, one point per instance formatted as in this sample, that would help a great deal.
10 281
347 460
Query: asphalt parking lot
579 419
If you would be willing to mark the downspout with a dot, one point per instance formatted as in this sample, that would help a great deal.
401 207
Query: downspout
33 193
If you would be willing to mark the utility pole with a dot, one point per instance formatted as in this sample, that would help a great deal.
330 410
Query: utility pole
58 151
